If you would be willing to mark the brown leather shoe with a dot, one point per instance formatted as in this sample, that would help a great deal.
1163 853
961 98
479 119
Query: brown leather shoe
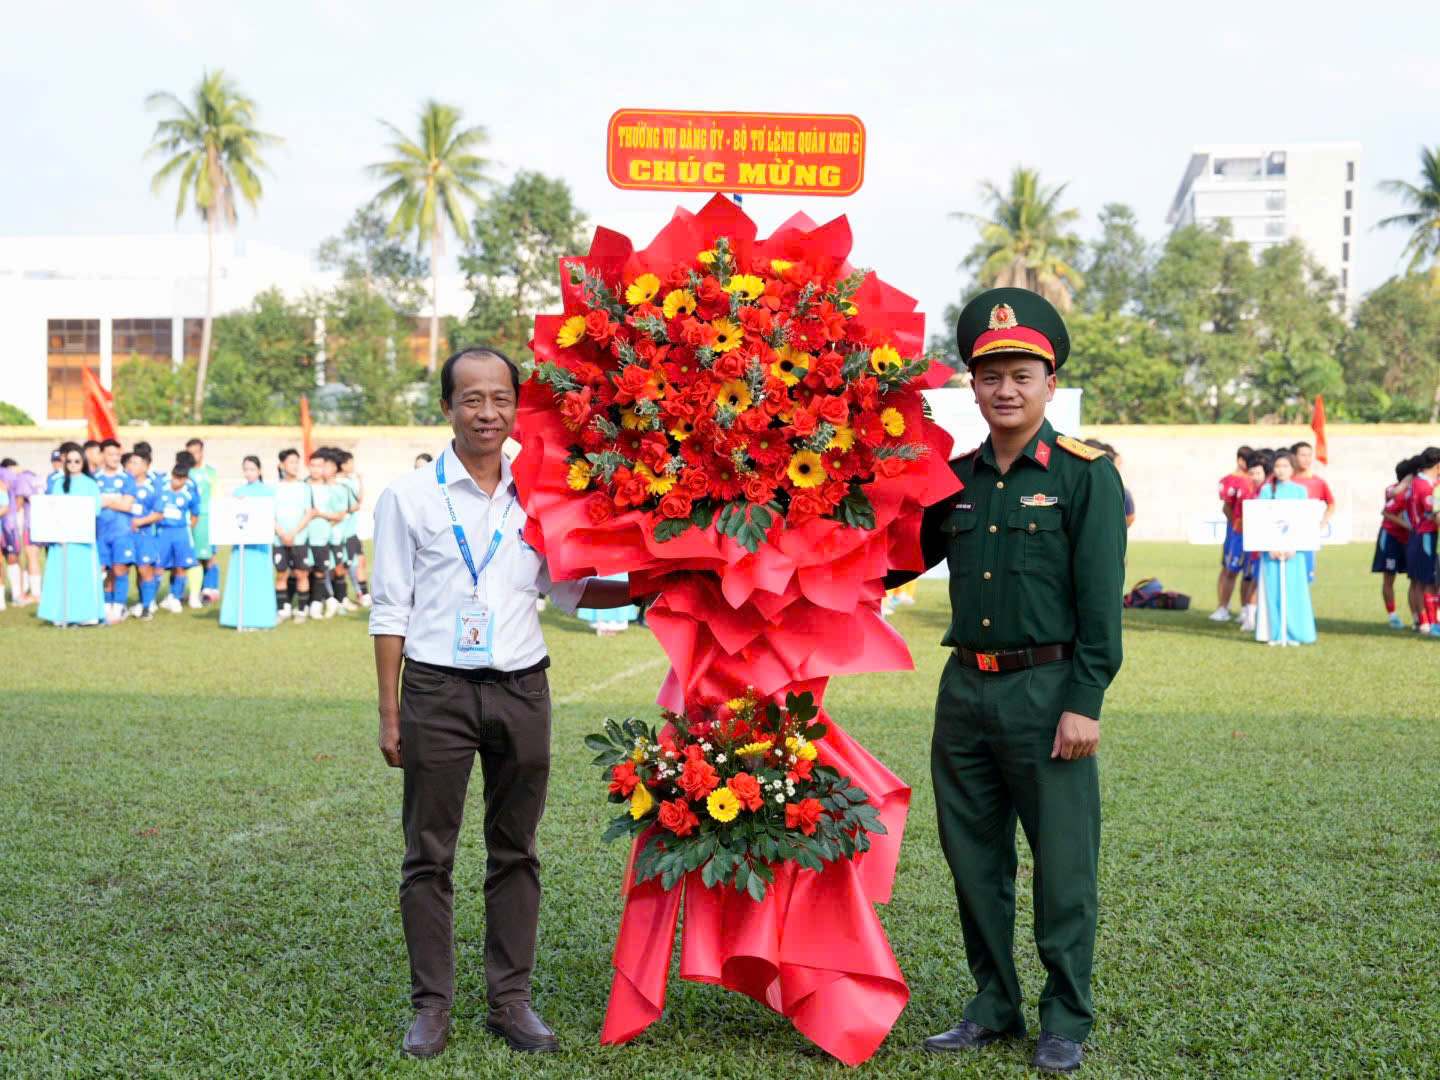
518 1025
428 1033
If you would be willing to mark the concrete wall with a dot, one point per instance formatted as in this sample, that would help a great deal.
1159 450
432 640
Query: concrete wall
1173 471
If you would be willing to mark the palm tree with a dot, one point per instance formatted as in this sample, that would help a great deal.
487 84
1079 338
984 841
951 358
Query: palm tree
212 143
427 180
1023 241
1423 220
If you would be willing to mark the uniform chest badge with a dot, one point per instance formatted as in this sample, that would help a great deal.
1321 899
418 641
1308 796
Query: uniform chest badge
1039 499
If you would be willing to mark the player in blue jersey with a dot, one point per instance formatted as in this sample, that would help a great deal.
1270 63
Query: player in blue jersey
137 464
114 541
173 510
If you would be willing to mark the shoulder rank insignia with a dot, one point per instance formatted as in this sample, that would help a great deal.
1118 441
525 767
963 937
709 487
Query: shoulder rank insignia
1078 448
1039 499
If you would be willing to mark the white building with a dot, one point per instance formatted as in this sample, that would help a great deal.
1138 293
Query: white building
69 302
1273 192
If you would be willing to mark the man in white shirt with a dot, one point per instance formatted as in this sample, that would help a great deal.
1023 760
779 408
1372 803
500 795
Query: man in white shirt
454 589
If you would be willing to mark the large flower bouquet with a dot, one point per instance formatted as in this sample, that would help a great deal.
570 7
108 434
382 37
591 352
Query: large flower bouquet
737 424
731 791
744 392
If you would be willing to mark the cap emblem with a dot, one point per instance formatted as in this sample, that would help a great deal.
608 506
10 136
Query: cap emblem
1002 317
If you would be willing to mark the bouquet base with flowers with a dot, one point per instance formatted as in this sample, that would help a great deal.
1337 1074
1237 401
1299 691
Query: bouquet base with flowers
737 424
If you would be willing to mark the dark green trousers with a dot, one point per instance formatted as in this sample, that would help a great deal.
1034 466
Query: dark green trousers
990 763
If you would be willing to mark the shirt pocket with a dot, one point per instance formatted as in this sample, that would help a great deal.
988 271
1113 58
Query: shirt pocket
1036 542
960 539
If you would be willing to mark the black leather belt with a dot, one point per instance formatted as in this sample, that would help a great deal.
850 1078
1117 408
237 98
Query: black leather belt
480 675
1014 659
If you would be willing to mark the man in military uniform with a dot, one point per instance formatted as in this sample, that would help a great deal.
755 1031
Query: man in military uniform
1036 547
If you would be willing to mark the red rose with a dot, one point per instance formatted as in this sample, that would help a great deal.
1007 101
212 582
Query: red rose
696 333
758 489
698 779
575 408
712 292
635 382
731 365
800 772
676 815
827 370
805 506
865 392
802 425
599 327
757 320
834 410
696 482
600 509
804 816
623 779
655 450
746 789
752 421
676 504
646 349
890 467
833 321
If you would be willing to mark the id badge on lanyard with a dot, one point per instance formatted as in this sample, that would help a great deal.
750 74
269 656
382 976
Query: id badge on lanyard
474 622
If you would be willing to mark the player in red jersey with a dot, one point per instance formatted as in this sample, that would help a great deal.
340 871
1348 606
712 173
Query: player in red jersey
1235 486
1420 552
1316 488
1391 542
1257 470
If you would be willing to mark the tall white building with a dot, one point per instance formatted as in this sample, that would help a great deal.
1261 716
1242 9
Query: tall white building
1277 191
70 302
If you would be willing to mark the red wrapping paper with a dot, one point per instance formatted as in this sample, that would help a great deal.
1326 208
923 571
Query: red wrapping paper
787 617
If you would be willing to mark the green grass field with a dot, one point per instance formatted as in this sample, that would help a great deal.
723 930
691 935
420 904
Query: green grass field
199 866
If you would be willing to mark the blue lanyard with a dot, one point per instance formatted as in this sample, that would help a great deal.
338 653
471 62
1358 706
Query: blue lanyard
459 529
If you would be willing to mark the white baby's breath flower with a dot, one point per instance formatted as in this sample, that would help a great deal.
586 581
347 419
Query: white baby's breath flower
720 759
780 799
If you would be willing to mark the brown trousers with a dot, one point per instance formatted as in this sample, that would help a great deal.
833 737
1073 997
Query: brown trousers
445 721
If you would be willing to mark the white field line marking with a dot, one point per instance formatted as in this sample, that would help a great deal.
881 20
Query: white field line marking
628 673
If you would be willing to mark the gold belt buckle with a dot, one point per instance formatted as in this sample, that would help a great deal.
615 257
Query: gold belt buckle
987 661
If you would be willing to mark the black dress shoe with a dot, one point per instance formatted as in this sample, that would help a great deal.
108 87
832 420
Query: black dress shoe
427 1034
968 1036
1055 1053
518 1025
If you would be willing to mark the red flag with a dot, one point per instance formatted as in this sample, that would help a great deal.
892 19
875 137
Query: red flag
305 426
99 410
1317 425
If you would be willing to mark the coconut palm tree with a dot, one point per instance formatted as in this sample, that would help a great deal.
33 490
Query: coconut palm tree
1024 241
428 178
1423 220
212 143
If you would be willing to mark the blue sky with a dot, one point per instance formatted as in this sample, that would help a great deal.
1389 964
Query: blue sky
1109 97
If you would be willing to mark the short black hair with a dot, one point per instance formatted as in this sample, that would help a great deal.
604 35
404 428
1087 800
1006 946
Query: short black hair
182 471
1296 448
185 458
8 463
1430 457
89 443
109 443
125 458
422 456
1254 458
447 370
288 452
142 447
143 455
194 442
1245 452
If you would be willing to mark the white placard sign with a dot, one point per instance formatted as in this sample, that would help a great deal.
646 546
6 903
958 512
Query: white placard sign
1283 524
242 520
62 519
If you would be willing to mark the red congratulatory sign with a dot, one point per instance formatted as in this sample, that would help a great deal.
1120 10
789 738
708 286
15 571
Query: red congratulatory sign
743 153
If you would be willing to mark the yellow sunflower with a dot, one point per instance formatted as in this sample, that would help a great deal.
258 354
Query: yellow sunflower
734 394
579 476
788 365
658 485
753 748
779 266
630 419
642 290
892 420
683 430
678 302
722 804
748 286
806 470
641 802
728 335
842 440
706 257
571 331
886 356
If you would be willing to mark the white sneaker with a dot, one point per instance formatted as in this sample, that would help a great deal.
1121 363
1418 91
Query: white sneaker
171 603
1220 614
365 599
540 603
136 611
331 607
317 609
299 614
195 601
283 613
209 596
347 606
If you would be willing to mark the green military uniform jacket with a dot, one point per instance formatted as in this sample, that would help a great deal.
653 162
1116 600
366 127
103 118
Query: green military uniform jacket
1037 557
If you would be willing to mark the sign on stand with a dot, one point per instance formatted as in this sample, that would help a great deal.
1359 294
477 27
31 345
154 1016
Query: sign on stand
62 519
242 520
1282 524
